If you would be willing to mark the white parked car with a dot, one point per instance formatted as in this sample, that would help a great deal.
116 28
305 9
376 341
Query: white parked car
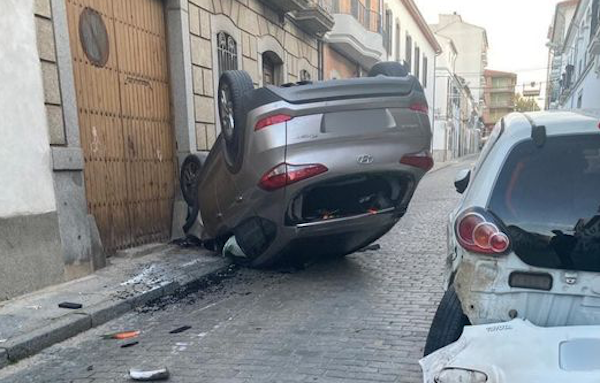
524 242
517 352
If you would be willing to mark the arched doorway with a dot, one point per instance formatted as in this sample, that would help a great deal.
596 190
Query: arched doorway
272 66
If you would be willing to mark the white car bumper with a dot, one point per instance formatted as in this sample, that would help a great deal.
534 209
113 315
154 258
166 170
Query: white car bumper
517 352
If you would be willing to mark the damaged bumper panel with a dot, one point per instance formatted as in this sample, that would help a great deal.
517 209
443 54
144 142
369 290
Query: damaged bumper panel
517 352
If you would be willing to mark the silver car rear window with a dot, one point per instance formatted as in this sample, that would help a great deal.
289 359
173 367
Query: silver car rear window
549 200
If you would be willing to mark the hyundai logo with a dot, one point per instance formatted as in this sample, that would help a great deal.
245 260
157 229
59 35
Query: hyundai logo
365 159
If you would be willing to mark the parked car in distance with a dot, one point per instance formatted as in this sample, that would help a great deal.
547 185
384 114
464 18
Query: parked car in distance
320 168
524 242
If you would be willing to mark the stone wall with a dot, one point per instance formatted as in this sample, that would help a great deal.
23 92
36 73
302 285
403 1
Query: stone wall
256 29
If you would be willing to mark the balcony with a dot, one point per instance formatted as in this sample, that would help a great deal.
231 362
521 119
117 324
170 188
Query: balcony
285 6
314 19
356 32
503 89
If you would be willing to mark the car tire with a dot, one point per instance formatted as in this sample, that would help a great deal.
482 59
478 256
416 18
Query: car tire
189 178
389 69
233 85
448 323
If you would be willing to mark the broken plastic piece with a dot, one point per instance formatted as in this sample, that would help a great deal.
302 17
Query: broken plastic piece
232 248
149 375
130 344
180 329
122 335
70 305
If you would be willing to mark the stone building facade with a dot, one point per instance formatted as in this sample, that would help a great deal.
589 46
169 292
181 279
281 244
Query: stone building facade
102 100
255 38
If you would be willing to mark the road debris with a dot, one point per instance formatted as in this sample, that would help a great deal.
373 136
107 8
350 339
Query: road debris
149 375
70 305
373 247
122 335
35 307
180 329
130 344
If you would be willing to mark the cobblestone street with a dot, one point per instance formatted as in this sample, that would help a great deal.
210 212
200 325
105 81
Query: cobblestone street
362 319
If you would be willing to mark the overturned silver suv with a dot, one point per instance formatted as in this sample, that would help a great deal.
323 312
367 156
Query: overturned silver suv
320 168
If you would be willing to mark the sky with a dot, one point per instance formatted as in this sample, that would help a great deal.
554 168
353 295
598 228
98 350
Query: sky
517 31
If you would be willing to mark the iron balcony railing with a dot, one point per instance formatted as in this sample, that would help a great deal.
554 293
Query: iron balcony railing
369 19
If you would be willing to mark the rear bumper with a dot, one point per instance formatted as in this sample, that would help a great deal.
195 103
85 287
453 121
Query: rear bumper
336 236
519 352
482 285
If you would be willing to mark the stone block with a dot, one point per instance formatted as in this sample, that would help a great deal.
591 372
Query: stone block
211 135
291 44
56 125
198 79
235 11
201 142
201 52
106 311
34 341
45 39
204 107
51 83
226 7
67 158
194 13
263 26
208 82
205 4
248 21
204 24
42 8
251 66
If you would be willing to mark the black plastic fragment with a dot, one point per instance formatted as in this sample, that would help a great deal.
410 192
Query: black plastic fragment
180 329
130 344
70 305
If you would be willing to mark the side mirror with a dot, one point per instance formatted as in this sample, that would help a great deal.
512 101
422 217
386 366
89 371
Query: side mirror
462 180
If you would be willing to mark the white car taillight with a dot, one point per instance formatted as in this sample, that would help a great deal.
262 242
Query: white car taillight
477 232
458 375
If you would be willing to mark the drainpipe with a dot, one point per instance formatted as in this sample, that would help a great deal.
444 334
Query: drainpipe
320 59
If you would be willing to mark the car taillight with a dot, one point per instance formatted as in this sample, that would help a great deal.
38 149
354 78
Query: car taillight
422 160
286 174
271 120
419 107
480 234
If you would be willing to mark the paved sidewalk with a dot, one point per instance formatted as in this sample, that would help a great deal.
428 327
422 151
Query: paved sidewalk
33 322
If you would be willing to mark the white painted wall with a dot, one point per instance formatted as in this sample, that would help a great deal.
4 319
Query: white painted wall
25 171
409 25
470 44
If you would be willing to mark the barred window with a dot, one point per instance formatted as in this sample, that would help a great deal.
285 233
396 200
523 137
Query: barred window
227 51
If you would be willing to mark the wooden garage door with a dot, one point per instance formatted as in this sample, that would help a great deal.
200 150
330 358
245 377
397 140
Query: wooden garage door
121 80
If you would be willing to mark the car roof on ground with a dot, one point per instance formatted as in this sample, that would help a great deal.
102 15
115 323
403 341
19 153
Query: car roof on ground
558 122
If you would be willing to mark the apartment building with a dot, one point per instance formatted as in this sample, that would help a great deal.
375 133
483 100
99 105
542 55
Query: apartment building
579 59
499 96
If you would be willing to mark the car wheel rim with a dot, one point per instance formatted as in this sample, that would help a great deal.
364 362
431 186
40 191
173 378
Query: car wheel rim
226 111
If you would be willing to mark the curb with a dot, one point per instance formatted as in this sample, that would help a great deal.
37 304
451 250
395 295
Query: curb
72 324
